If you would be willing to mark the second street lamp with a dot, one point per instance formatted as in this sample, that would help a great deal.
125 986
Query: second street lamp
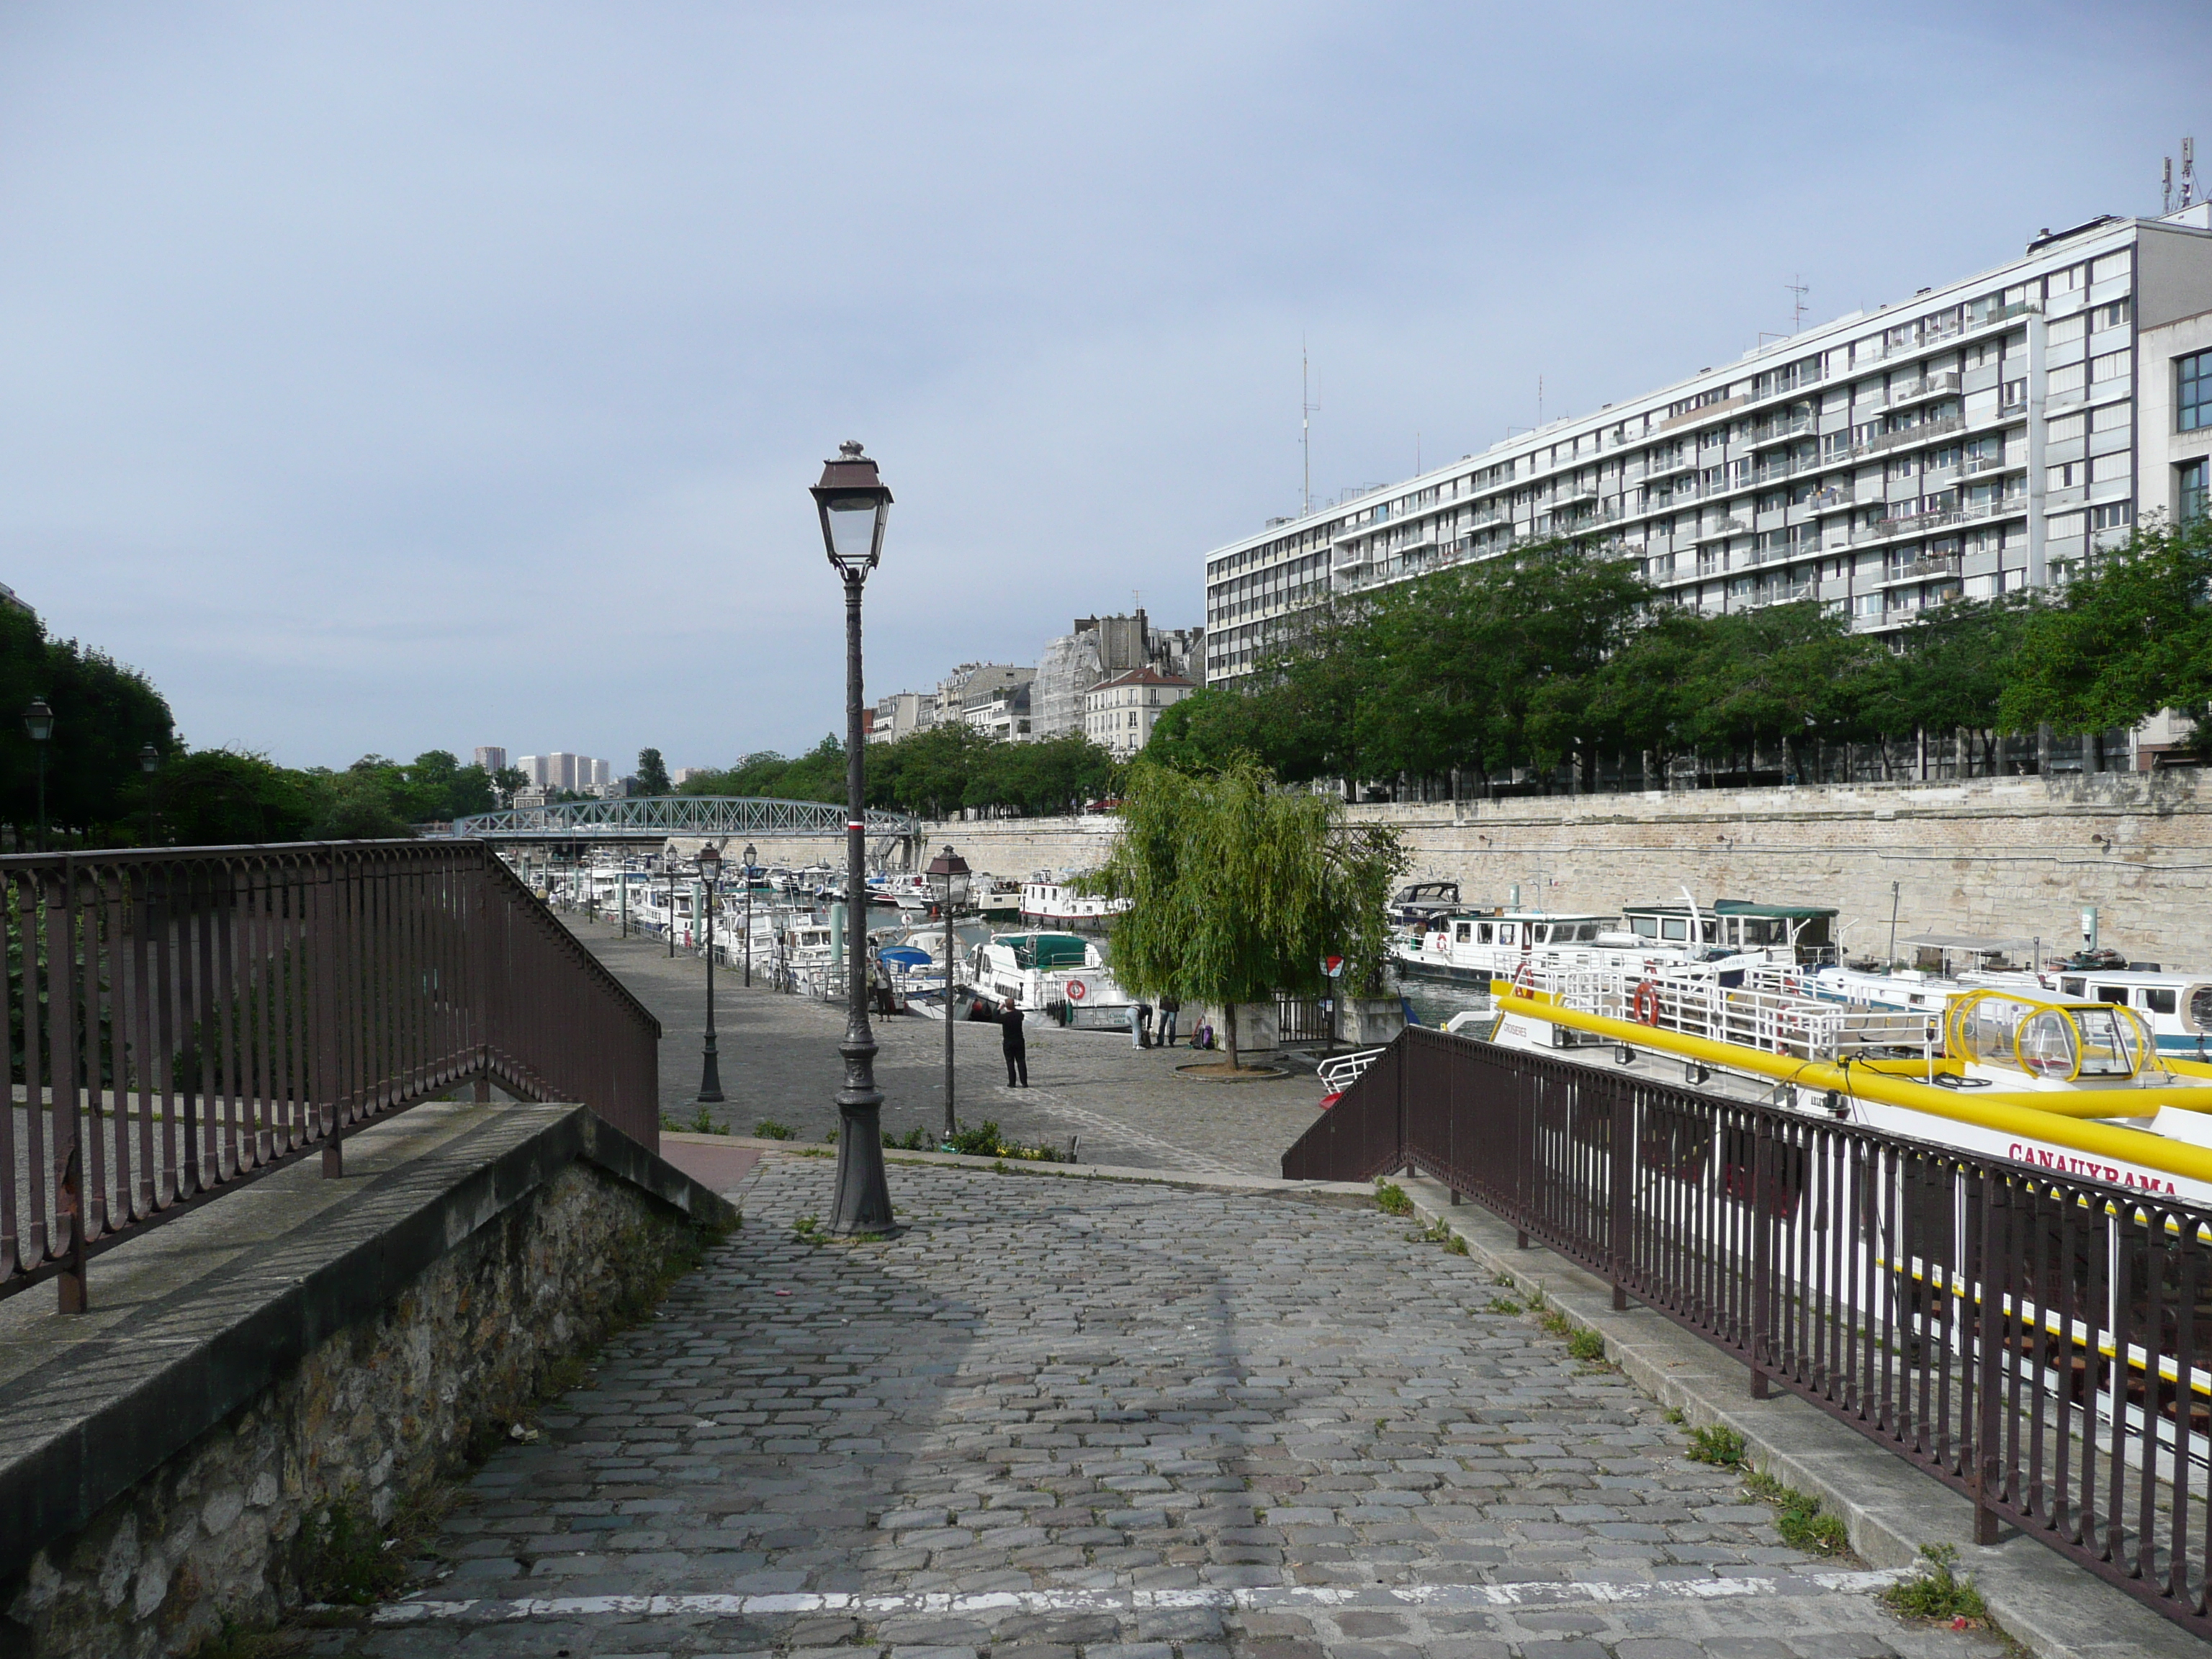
751 855
852 503
710 1075
948 864
39 727
150 762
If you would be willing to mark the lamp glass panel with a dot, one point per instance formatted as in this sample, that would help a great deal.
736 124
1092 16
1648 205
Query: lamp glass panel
852 523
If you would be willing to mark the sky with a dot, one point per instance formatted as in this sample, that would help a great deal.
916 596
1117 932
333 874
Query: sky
386 378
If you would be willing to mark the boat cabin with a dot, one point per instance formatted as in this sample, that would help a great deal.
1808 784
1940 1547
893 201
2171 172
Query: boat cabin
1739 925
1520 930
1424 899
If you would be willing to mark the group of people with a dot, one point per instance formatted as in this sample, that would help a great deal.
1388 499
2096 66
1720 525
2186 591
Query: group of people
1013 1043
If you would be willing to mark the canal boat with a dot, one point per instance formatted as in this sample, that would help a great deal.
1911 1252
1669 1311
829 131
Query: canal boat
1048 898
1062 973
1423 901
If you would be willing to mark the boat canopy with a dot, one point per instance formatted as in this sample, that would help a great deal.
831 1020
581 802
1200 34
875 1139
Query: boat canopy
1045 950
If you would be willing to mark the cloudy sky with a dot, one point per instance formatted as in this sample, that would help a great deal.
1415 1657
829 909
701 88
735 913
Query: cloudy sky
383 377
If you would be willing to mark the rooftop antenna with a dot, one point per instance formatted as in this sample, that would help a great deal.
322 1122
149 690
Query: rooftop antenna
1797 286
1307 409
2165 179
1540 400
2188 171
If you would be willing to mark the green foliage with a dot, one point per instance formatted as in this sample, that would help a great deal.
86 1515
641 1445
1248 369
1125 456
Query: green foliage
986 1140
1505 1305
701 1123
1936 1590
652 773
1391 1198
768 1129
1799 1518
104 714
1237 889
344 1558
1718 1445
911 1141
1554 654
1586 1346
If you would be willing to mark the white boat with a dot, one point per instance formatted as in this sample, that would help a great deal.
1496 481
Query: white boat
1052 971
993 898
1051 898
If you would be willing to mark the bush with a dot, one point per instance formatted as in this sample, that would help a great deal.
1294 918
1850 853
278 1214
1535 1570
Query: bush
986 1141
1586 1346
911 1141
768 1129
1799 1518
1391 1198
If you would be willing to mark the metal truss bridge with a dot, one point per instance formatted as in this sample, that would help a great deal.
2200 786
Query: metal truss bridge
658 818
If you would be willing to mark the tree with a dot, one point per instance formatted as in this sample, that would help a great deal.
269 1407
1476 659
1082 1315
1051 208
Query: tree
104 715
1237 889
222 797
651 773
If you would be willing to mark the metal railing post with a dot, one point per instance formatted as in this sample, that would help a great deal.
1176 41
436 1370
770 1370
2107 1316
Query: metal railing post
1762 1251
1985 1313
1621 1177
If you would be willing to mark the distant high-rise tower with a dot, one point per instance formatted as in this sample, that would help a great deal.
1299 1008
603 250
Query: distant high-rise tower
491 758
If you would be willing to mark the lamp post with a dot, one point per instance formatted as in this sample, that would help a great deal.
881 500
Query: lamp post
852 503
750 855
668 864
39 723
948 864
710 1075
150 762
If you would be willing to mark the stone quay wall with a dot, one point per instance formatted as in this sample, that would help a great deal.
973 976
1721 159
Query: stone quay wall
1988 857
233 1527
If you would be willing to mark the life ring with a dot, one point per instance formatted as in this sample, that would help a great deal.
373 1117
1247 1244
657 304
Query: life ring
1646 1006
1076 992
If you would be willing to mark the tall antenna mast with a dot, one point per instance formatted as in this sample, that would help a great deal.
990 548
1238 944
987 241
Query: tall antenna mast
1306 410
2165 179
2188 171
1796 286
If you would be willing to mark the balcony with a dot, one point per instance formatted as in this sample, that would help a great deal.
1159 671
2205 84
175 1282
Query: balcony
1943 564
1722 530
1767 431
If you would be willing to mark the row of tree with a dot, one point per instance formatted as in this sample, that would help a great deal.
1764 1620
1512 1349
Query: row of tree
933 772
1557 655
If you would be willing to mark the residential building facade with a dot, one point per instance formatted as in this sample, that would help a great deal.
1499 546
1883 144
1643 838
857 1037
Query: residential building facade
1972 439
491 758
1119 714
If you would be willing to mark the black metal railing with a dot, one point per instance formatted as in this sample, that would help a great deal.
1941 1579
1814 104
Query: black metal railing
182 1020
2038 1340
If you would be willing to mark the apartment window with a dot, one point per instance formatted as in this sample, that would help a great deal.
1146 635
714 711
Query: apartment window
2113 315
2193 490
2112 515
2193 392
2066 477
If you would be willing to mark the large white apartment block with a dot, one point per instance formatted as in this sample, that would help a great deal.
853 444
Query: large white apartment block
1969 440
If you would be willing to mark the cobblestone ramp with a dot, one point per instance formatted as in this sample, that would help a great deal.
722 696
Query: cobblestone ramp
1056 1418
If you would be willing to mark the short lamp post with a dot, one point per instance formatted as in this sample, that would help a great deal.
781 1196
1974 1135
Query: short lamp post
751 854
710 1075
948 864
668 864
852 503
38 724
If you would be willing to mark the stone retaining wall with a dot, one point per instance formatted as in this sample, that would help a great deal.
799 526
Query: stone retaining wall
369 1418
1991 856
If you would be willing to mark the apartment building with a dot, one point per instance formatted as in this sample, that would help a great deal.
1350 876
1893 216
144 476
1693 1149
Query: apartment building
491 757
1970 440
1119 714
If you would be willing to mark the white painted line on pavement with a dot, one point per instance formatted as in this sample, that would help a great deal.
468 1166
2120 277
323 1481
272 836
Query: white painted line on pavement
1448 1597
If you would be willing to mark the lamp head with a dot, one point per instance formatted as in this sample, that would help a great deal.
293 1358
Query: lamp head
39 720
149 759
752 856
947 863
710 862
852 502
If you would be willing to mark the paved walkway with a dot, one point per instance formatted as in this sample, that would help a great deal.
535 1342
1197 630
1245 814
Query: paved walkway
1125 1420
780 1062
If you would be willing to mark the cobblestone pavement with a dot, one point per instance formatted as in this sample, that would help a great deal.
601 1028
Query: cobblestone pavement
1055 1417
779 1060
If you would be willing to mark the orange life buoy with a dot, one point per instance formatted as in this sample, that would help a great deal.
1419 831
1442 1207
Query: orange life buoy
1647 1002
1076 991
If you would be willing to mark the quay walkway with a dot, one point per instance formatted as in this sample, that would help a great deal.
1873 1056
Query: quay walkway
1188 1412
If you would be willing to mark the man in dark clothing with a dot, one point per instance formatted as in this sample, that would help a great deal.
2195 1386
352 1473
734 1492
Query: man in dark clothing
1015 1048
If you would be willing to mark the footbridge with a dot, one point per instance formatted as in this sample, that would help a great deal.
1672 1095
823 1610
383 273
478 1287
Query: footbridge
653 820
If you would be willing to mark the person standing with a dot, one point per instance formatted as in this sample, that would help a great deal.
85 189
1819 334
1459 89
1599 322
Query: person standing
1140 1016
1013 1045
1169 1007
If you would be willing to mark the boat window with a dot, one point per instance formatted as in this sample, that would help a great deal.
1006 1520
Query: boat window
2158 999
1482 931
2116 994
1765 930
1539 934
1673 927
1464 932
2111 1043
2200 1007
1587 931
1706 931
1505 933
1644 926
2074 988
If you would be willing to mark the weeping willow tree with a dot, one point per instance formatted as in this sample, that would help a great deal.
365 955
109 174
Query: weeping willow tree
1238 889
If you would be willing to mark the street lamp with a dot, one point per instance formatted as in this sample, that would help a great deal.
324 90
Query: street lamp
668 864
852 503
150 762
948 864
710 1075
38 722
751 855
